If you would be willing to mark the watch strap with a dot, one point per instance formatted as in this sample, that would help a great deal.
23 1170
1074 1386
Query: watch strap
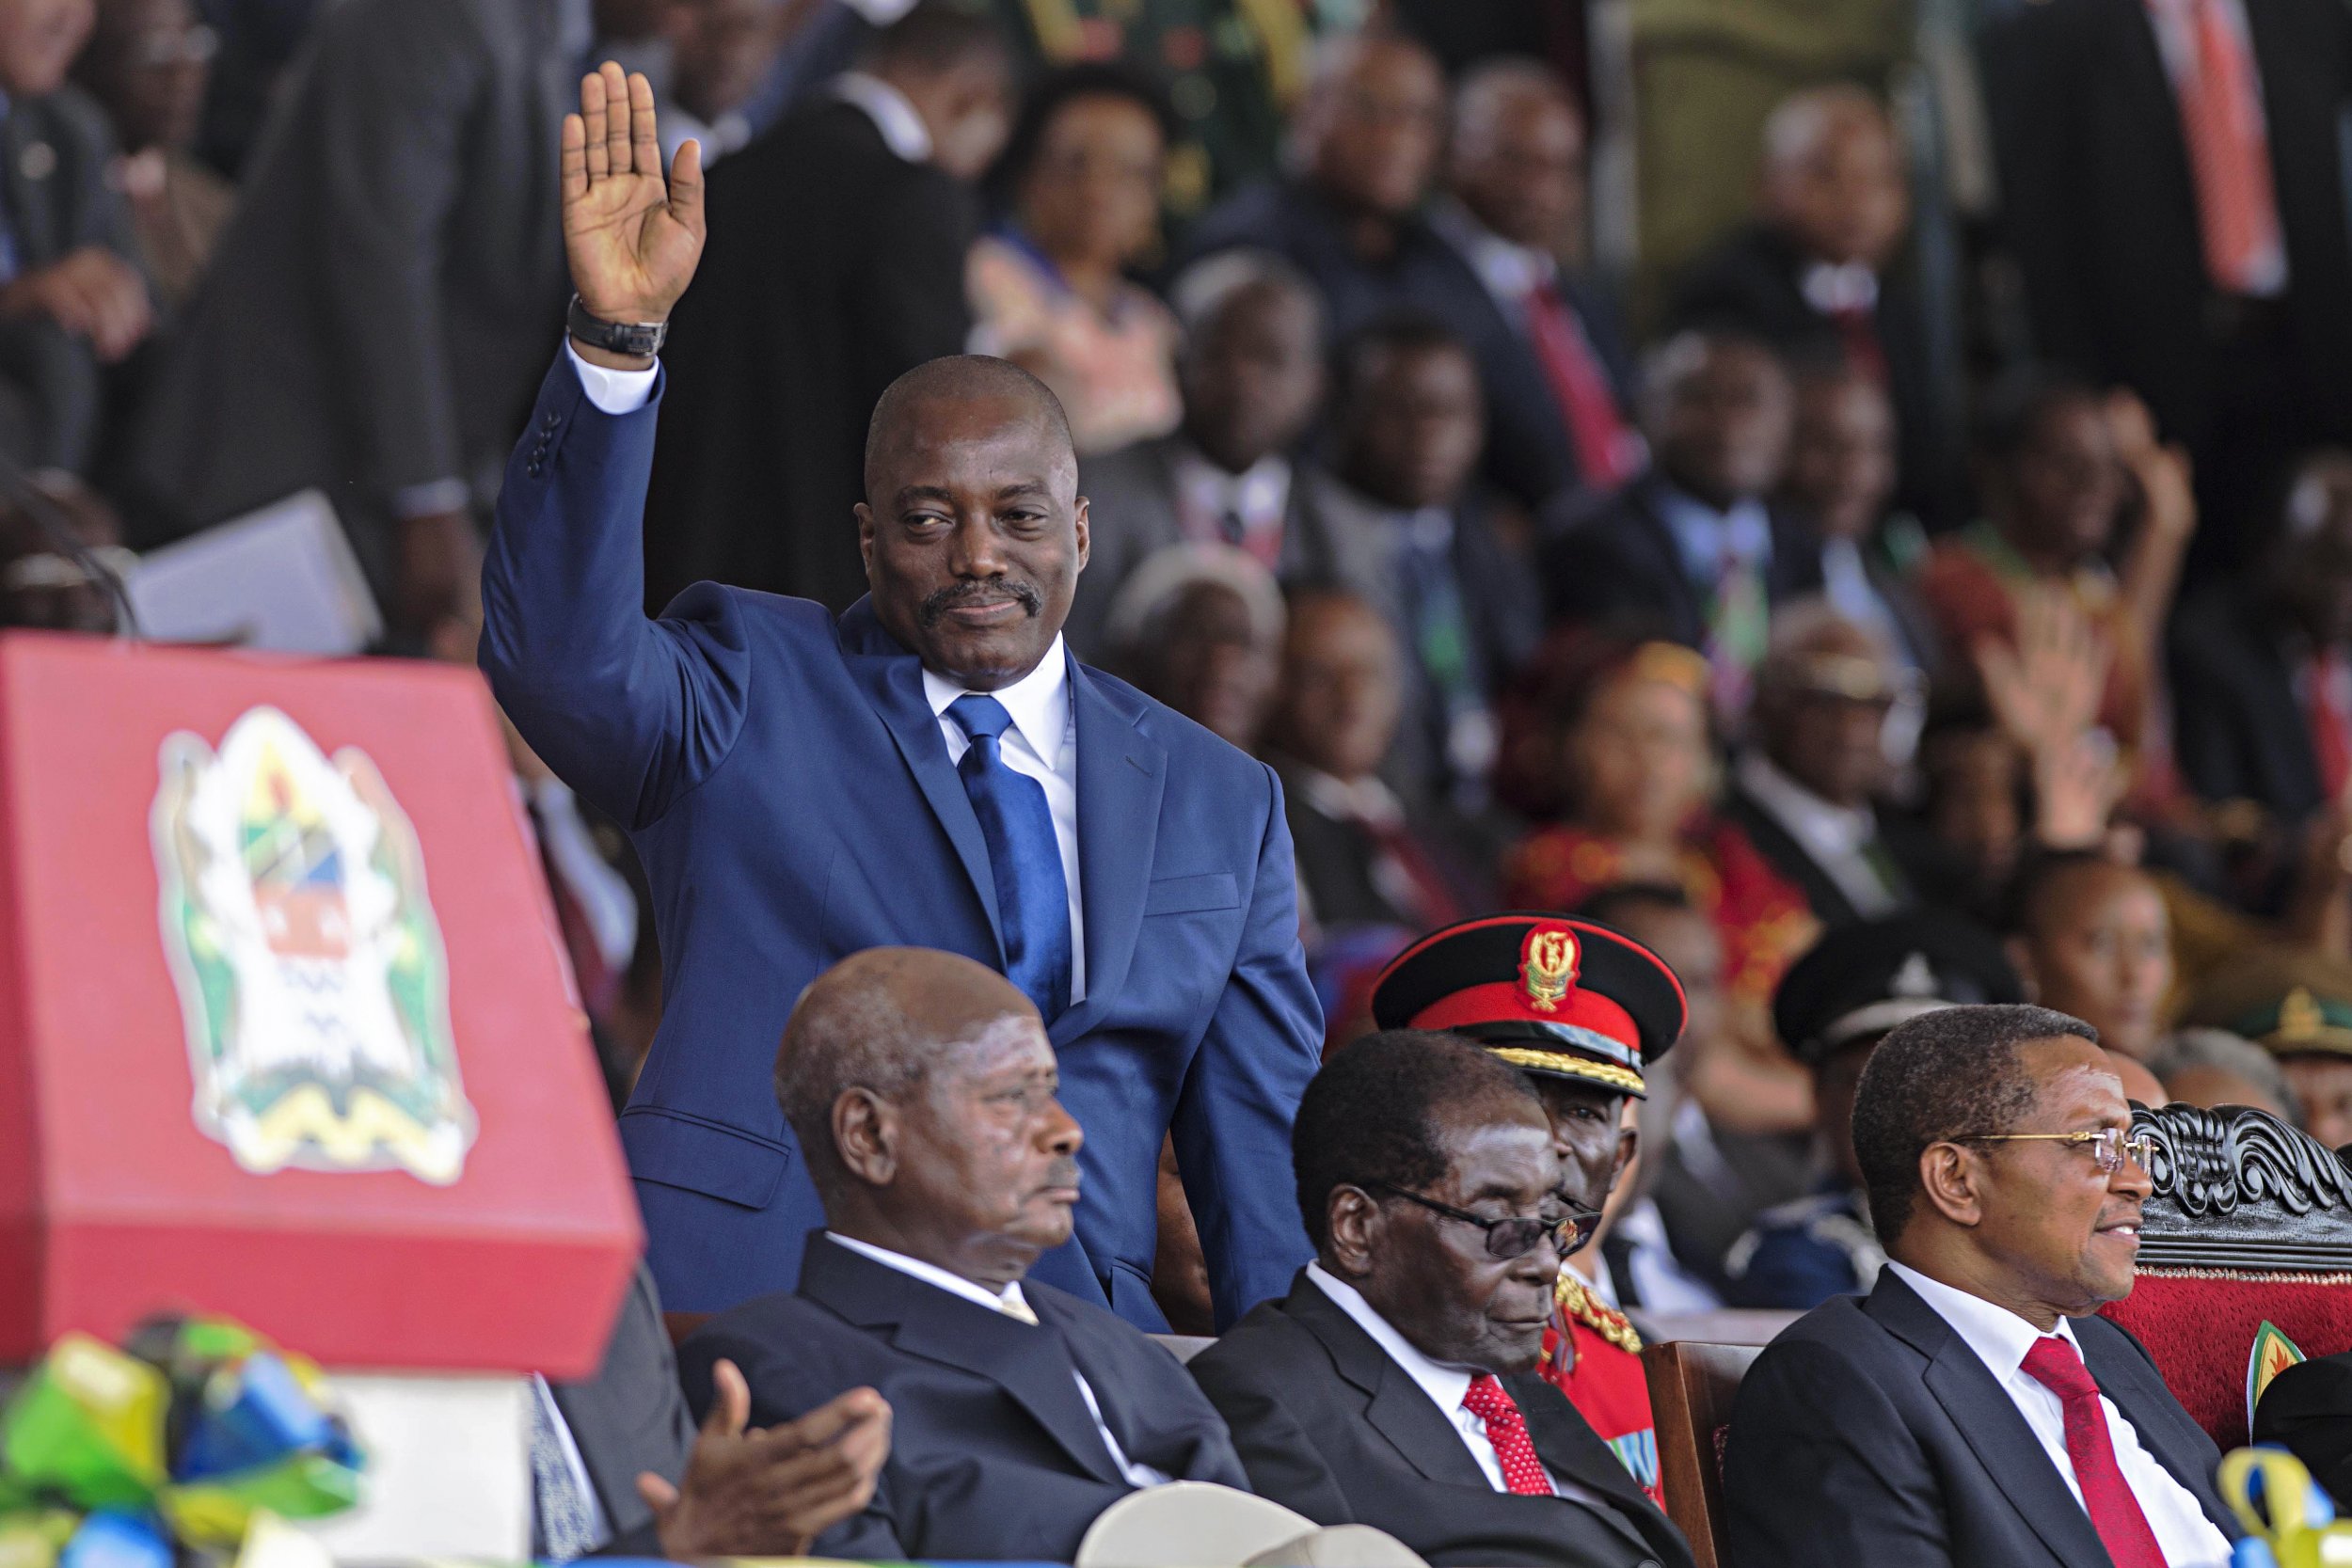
639 340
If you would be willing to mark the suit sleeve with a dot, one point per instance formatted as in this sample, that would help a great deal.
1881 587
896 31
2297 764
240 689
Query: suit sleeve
1822 1473
1282 1459
633 713
394 85
1232 1123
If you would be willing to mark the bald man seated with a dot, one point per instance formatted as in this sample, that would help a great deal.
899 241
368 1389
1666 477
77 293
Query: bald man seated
930 770
923 1090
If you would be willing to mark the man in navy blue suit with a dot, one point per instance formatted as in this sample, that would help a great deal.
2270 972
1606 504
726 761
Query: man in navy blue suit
932 770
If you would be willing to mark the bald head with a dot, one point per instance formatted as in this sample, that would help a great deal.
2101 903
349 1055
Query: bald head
882 1021
942 396
1517 155
1372 122
1833 176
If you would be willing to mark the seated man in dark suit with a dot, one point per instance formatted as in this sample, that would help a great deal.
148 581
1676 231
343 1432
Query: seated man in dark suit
2306 1410
1972 1410
921 1086
1693 546
1396 1385
1252 371
1816 273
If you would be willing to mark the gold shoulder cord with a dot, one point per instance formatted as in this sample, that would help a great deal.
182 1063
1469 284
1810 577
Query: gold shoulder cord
1579 1304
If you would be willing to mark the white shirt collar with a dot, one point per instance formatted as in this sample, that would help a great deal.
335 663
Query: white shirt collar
1509 270
1999 1337
1831 287
902 129
1368 799
1823 829
914 1268
1445 1386
1261 493
1038 703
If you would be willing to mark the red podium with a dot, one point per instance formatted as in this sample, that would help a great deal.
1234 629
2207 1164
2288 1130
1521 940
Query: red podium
285 1028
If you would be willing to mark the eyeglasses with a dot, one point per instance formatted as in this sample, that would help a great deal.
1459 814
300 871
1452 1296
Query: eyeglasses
1517 1236
2108 1145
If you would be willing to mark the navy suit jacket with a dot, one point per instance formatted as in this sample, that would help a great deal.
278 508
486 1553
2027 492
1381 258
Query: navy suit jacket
1869 1434
1614 558
789 793
992 1453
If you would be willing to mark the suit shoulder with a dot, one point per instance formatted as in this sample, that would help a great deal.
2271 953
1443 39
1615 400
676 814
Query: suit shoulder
1266 1339
73 116
1189 744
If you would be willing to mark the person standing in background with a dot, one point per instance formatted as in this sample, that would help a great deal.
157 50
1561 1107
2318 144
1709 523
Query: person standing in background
147 65
835 265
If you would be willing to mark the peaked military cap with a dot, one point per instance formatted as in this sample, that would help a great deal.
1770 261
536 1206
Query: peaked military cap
1864 979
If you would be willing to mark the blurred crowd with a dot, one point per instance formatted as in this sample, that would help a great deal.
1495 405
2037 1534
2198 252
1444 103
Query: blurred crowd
1914 475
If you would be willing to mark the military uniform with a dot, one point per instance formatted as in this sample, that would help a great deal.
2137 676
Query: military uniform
1566 999
1803 1252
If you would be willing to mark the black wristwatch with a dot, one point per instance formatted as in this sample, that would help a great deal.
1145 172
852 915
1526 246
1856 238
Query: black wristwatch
639 340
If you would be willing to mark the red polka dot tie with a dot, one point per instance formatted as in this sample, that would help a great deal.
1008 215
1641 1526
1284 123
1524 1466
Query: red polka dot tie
1523 1472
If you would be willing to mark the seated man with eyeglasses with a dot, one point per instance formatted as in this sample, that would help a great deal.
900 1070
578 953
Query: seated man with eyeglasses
1397 1385
1972 1410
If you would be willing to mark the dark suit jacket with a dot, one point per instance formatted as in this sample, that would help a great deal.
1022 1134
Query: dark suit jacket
833 266
1614 558
992 1453
790 795
2308 1408
1753 282
1923 870
631 1418
1330 1425
380 304
1869 1434
54 154
2100 208
2237 727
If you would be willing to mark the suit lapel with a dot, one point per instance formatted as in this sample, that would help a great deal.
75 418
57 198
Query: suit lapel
1029 1363
1989 1421
1399 1410
892 679
2164 1428
1122 772
1572 1452
1690 609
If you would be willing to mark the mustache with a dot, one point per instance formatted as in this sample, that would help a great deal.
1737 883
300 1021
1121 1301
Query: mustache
1063 1172
957 595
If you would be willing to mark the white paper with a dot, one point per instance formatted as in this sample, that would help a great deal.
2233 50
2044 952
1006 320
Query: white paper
283 579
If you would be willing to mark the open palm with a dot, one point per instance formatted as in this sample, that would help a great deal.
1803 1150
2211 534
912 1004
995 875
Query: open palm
632 238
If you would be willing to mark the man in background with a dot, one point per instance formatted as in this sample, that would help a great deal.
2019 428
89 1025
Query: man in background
835 264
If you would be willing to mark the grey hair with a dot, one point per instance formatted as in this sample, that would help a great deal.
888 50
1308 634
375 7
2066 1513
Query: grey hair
1207 286
1165 576
2227 1053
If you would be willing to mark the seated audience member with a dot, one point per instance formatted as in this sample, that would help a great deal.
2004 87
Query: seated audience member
2308 1029
1973 1409
1841 471
1837 1003
1408 422
2213 1066
1554 365
43 585
1815 274
1396 1386
1364 142
1200 628
1251 370
617 1468
1692 545
921 1086
2261 662
1583 1013
1614 734
72 301
1365 857
2059 464
1808 790
2090 937
148 64
720 52
1079 187
2306 1410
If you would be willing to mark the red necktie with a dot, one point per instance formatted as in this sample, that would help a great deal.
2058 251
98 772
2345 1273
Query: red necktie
1523 1472
2114 1512
2228 152
2331 743
597 981
1858 332
1604 452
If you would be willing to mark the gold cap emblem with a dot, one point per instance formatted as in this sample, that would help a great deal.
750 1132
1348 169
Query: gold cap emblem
2299 1018
1548 966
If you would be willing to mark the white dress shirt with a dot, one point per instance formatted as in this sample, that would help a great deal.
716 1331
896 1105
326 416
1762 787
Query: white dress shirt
902 129
1834 287
1043 743
979 1296
2176 40
1835 837
1259 496
2002 1339
1446 1387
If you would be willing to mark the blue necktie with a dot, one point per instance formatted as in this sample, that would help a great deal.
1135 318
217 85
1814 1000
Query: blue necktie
1023 857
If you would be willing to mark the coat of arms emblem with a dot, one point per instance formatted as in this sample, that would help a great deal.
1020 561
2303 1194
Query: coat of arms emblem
310 966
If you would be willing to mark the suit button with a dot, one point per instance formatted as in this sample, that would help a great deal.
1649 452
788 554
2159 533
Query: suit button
552 419
531 469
